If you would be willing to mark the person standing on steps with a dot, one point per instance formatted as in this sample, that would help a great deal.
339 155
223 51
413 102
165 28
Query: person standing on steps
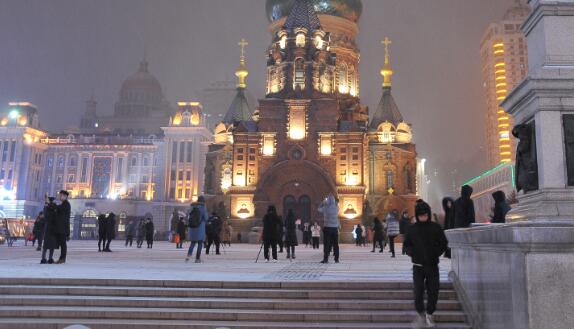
271 223
464 208
213 230
110 230
290 234
130 232
62 226
315 235
501 207
378 237
196 221
50 243
404 224
149 232
330 210
102 235
181 229
393 229
425 242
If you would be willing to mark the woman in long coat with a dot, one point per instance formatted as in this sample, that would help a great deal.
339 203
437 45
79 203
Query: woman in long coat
149 230
271 233
290 234
378 236
50 242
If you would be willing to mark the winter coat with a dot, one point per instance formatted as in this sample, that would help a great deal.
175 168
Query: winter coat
464 208
271 228
359 231
131 229
404 224
182 229
501 208
393 228
198 233
378 230
50 215
62 225
39 225
316 231
290 231
425 242
149 230
102 226
448 213
213 227
330 211
141 230
111 227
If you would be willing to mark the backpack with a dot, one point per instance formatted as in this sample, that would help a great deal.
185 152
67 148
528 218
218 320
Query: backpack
194 219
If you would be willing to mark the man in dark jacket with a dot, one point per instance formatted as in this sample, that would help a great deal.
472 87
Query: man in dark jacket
425 242
464 208
38 230
110 230
130 232
102 234
62 226
213 231
50 243
501 207
271 223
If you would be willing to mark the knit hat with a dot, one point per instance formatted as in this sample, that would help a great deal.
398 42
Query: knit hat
422 208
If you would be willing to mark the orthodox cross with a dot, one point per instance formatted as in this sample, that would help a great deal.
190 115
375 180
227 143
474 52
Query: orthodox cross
243 43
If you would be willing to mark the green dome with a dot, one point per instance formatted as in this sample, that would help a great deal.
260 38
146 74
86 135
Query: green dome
348 9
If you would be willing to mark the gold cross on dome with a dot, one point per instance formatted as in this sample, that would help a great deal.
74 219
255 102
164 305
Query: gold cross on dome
391 190
387 42
243 43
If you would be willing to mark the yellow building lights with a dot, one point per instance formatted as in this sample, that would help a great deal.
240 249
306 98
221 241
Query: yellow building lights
501 91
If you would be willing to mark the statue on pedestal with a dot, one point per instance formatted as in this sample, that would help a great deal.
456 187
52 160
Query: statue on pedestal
526 178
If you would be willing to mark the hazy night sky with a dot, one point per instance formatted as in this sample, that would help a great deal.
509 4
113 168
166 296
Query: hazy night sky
53 53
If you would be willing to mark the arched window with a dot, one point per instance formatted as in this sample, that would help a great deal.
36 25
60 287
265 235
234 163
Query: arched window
299 76
390 179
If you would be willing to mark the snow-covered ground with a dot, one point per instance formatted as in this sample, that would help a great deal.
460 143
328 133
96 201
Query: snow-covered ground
236 263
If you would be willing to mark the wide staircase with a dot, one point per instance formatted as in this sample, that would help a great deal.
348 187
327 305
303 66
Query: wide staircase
57 303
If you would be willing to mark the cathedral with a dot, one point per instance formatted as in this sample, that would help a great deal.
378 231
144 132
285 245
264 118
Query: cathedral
311 136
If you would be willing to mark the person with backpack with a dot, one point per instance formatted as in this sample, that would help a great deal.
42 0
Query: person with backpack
196 222
425 242
213 231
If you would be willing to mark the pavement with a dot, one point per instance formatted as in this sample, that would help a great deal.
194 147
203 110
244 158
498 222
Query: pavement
236 263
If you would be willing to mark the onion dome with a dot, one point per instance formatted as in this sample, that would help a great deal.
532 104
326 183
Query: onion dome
347 9
142 81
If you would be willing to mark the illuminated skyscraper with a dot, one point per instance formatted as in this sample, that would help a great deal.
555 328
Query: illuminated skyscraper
504 65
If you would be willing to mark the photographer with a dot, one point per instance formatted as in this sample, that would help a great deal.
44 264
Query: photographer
330 210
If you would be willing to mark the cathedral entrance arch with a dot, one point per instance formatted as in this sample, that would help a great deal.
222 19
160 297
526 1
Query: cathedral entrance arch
292 184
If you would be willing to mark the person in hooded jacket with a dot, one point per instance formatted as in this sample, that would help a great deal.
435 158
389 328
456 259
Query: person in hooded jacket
213 231
290 234
464 208
501 207
197 234
378 236
102 234
425 242
110 230
271 234
330 210
448 207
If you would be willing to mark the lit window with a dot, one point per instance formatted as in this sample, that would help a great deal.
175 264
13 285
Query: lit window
325 145
300 40
268 145
299 80
297 123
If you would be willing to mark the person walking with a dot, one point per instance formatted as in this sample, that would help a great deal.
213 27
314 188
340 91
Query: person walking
448 208
393 230
130 232
213 230
464 208
290 234
270 237
181 232
140 233
62 227
358 235
378 237
226 233
110 230
49 243
404 224
149 232
38 230
197 219
425 242
501 207
315 235
307 234
330 210
102 233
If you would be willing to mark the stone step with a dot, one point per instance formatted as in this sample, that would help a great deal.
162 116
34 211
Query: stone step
394 316
58 323
305 285
372 294
205 303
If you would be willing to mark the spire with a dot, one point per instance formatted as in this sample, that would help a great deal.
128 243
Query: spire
303 15
242 71
387 71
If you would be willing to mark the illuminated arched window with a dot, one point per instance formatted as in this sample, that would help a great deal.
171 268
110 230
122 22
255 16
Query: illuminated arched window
299 76
300 40
390 179
343 79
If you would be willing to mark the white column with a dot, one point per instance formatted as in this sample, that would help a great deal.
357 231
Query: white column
550 149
